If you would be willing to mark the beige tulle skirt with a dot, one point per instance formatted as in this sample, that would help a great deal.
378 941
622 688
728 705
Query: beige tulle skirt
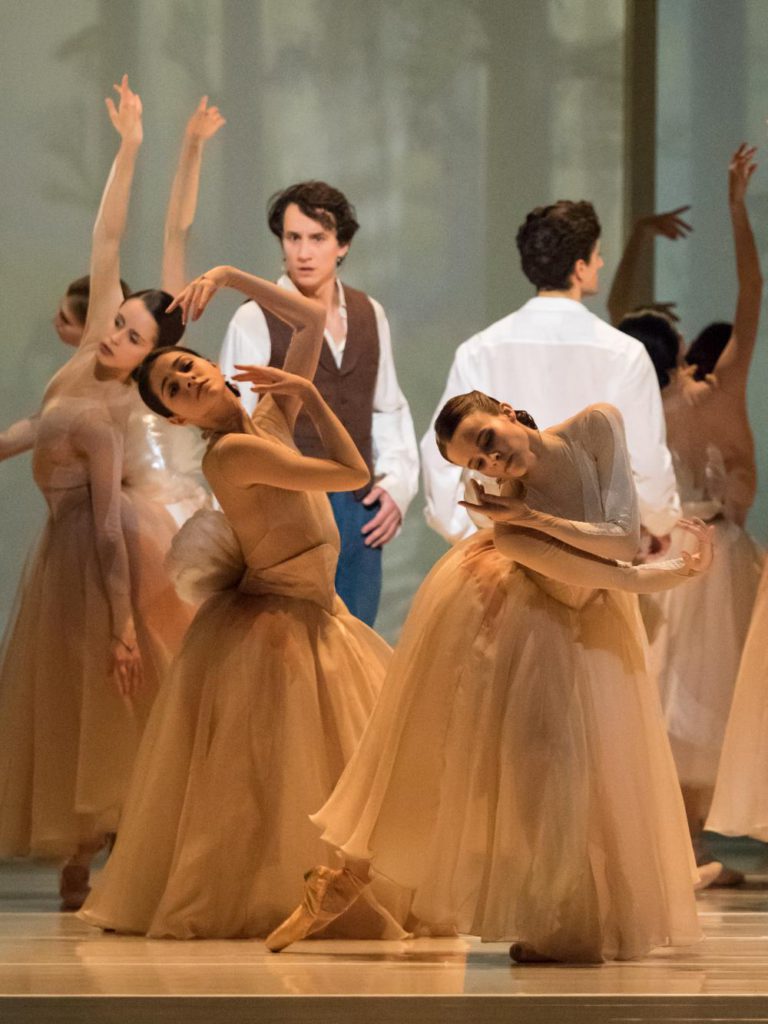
740 803
698 633
68 739
516 774
264 707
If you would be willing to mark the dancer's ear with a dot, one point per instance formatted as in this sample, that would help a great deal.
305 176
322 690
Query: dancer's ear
509 412
178 421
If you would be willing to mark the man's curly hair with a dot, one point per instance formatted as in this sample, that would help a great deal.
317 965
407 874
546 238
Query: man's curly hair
319 201
553 238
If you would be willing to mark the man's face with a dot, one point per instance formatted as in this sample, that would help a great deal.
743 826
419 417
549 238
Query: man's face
590 272
311 250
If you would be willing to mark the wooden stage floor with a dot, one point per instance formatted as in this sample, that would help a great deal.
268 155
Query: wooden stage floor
54 968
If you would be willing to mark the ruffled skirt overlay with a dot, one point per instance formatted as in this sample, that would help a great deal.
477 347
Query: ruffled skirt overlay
698 633
70 740
264 707
516 774
740 803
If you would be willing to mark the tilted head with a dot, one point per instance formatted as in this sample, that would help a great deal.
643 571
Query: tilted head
559 247
315 224
182 386
481 433
661 339
141 324
72 311
705 350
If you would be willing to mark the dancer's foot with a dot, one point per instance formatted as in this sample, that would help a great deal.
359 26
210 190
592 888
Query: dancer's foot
728 878
73 886
328 892
522 953
708 874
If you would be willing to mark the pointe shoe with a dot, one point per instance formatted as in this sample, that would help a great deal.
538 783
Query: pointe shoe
522 953
328 892
708 875
73 886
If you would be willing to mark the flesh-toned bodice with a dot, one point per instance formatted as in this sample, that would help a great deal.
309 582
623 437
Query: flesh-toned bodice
288 538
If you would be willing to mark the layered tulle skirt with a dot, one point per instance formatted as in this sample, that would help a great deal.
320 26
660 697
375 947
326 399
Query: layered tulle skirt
516 775
264 707
740 803
68 739
698 633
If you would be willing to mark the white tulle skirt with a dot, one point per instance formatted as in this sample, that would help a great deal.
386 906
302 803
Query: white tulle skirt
740 803
698 633
516 774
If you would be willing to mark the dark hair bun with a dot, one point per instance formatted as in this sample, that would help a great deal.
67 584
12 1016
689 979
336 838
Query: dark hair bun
170 326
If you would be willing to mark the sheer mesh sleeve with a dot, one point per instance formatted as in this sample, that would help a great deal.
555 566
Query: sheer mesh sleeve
19 437
566 564
97 438
618 537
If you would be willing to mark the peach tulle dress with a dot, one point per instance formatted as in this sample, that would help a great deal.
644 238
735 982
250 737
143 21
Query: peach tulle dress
68 739
516 774
698 632
264 707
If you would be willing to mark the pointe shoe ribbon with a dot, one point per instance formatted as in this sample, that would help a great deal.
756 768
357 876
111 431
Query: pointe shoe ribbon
328 892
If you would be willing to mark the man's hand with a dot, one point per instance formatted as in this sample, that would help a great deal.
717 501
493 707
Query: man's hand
385 524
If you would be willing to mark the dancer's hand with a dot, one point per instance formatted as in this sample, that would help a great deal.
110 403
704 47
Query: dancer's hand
499 507
271 380
194 298
382 528
126 116
205 122
127 670
698 561
669 224
740 170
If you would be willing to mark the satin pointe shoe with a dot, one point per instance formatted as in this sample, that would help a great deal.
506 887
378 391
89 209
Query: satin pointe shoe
73 886
522 953
708 874
328 892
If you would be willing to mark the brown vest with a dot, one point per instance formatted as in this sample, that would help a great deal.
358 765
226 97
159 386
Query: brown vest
348 389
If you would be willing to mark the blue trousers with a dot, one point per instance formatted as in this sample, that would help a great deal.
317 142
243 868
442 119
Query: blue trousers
358 576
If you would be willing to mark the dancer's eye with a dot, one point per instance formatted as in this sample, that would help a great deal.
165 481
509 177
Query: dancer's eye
173 389
187 366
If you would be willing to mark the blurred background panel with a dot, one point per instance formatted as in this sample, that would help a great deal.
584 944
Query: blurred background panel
443 120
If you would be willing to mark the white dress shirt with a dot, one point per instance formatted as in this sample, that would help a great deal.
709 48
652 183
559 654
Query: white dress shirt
552 357
395 451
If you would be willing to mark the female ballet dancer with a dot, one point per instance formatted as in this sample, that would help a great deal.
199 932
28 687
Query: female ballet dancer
699 632
96 619
276 680
515 774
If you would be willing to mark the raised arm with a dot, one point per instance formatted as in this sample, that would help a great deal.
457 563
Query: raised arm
106 293
19 437
306 317
618 535
202 125
102 446
560 562
626 293
732 368
248 460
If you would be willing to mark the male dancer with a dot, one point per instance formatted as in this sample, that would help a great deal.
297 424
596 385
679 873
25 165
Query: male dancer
553 357
356 376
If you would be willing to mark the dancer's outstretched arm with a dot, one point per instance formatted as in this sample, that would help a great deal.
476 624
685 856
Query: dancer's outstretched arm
101 444
19 437
106 294
202 125
561 562
732 368
625 292
247 460
305 316
616 538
